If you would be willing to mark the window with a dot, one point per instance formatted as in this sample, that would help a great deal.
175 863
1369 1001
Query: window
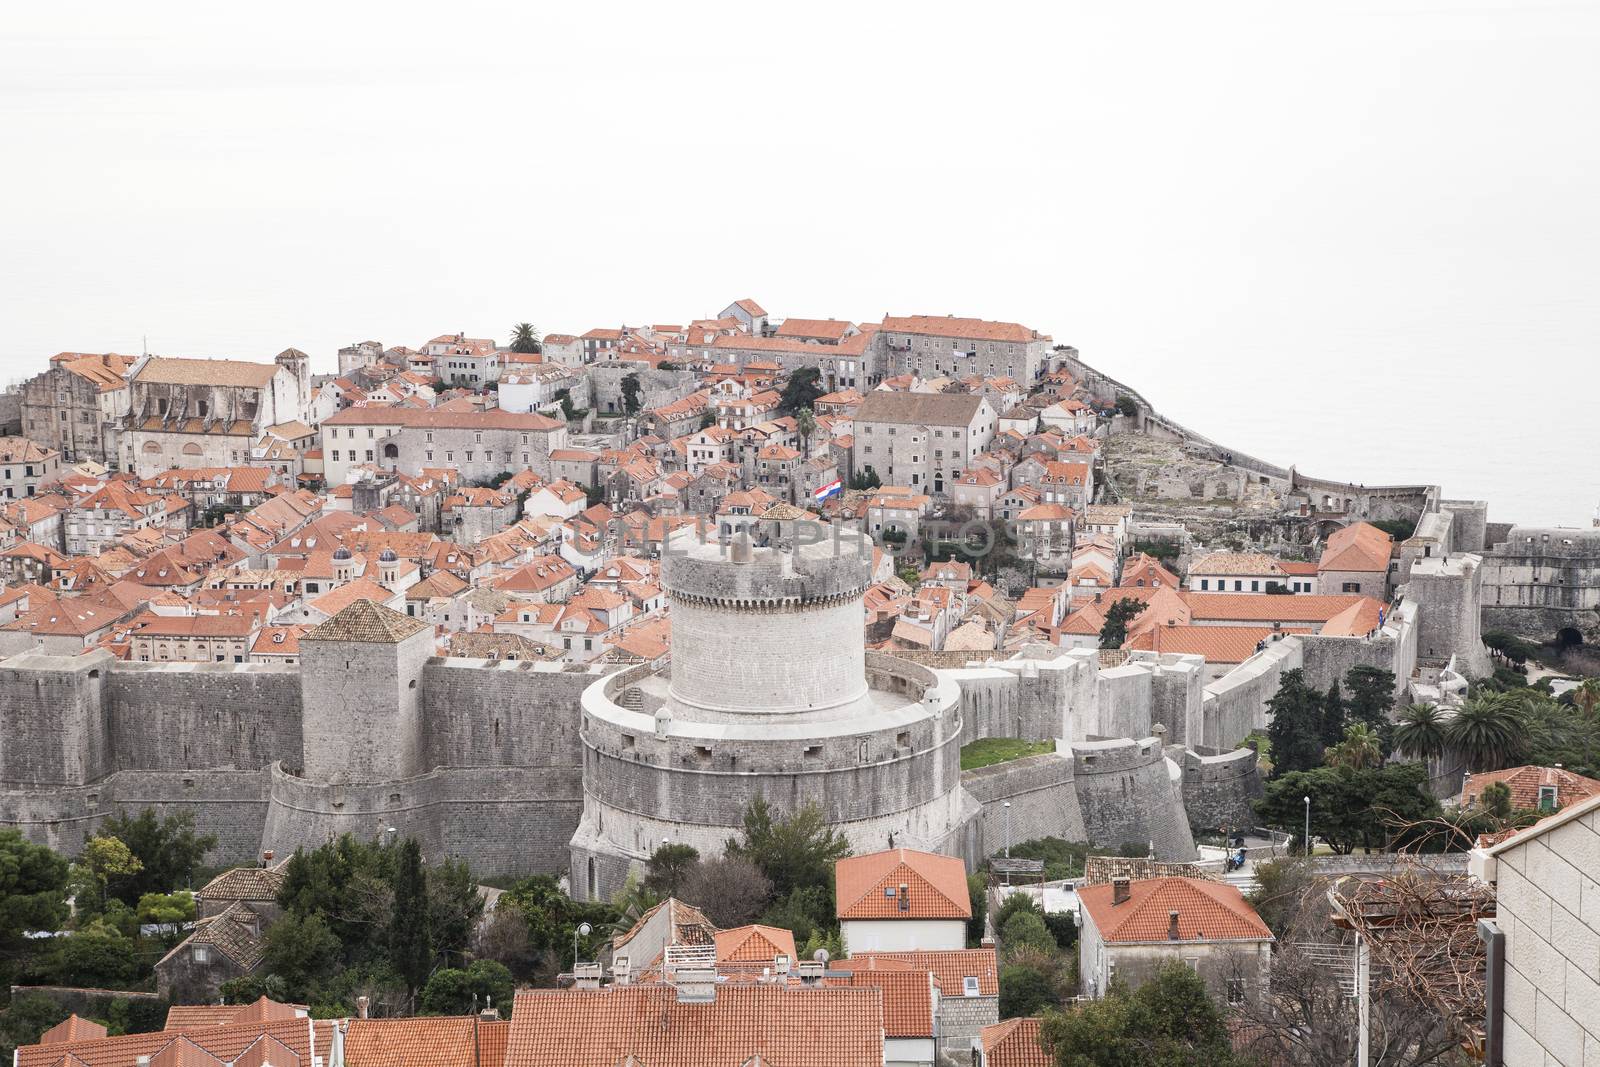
1204 584
202 954
1352 587
1547 798
969 986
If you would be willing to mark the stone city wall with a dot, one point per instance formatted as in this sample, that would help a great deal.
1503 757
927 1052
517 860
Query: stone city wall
1043 796
1236 703
1218 789
1121 788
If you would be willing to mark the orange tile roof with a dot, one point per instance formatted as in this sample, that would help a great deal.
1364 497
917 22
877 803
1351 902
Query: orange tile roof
1525 783
786 1027
754 944
1014 1043
937 886
1360 546
72 1028
223 1042
448 1041
1218 644
1207 911
967 329
908 996
1270 607
949 966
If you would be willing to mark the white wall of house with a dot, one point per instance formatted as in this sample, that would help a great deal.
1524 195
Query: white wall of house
900 935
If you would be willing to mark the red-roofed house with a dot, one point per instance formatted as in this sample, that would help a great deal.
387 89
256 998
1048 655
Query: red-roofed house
1131 929
1014 1043
1356 559
902 899
1533 788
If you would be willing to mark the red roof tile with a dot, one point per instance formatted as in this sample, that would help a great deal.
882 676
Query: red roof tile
1207 911
937 886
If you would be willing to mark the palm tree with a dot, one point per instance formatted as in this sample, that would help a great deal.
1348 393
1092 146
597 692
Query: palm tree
1587 695
1420 732
805 425
524 337
1360 749
1487 731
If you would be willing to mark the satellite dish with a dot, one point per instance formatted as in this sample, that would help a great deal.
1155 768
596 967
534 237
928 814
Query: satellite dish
821 955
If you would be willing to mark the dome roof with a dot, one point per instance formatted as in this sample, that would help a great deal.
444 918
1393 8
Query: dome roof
387 556
341 553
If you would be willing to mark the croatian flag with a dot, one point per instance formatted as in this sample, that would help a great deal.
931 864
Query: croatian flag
824 492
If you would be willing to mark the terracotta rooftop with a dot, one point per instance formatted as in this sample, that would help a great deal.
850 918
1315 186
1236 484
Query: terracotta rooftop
783 1026
869 886
1207 911
72 1028
244 883
754 944
1014 1043
1526 782
966 329
1357 547
950 966
164 370
449 1041
934 409
365 621
226 1043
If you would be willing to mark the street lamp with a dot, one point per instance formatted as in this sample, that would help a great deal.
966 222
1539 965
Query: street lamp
1307 838
583 930
1007 807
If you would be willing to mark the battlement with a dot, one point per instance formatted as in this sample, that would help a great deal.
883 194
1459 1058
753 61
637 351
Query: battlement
738 575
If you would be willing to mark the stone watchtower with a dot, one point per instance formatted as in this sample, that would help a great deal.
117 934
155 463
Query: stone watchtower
359 676
770 693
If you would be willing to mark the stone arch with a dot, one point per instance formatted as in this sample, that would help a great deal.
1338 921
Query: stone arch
192 449
391 451
152 446
1569 637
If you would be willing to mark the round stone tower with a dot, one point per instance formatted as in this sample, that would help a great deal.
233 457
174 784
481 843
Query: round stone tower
770 693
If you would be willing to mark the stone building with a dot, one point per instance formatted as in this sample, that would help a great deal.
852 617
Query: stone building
874 741
922 440
1544 581
1133 928
477 444
210 412
24 465
936 346
77 406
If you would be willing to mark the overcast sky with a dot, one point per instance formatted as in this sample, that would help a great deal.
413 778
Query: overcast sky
1360 237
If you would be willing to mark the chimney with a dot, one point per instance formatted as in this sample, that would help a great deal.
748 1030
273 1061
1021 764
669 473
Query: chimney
1172 926
266 858
488 1014
362 1004
621 969
586 976
1119 890
696 985
905 897
143 1061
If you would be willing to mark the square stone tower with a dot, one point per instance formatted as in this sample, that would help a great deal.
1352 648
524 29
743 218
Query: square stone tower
360 674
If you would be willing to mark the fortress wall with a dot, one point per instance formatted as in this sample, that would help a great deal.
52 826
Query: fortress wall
1124 700
1469 527
1217 790
1043 796
991 704
172 716
229 804
52 719
1121 788
1236 703
502 821
481 713
768 660
1175 693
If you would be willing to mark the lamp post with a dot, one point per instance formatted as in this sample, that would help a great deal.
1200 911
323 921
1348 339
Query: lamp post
1007 808
1307 838
582 930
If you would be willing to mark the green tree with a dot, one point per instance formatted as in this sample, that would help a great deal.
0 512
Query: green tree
1114 633
167 909
631 391
867 480
563 397
1333 716
801 391
33 882
525 338
794 852
1127 405
448 992
805 424
454 906
1370 808
1420 732
1281 887
168 850
1587 695
1487 730
669 865
1360 749
410 942
978 898
108 860
1371 699
301 951
1026 929
1025 990
26 1019
97 956
1495 800
1169 1021
1295 726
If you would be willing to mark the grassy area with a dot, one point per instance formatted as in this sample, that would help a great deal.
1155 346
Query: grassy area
992 750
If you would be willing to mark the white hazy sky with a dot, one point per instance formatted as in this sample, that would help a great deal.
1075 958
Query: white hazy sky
1359 237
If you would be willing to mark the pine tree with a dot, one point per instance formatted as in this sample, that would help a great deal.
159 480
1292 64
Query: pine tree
410 944
1295 732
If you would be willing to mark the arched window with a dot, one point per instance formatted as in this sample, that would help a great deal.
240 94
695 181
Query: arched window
152 446
192 449
391 451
